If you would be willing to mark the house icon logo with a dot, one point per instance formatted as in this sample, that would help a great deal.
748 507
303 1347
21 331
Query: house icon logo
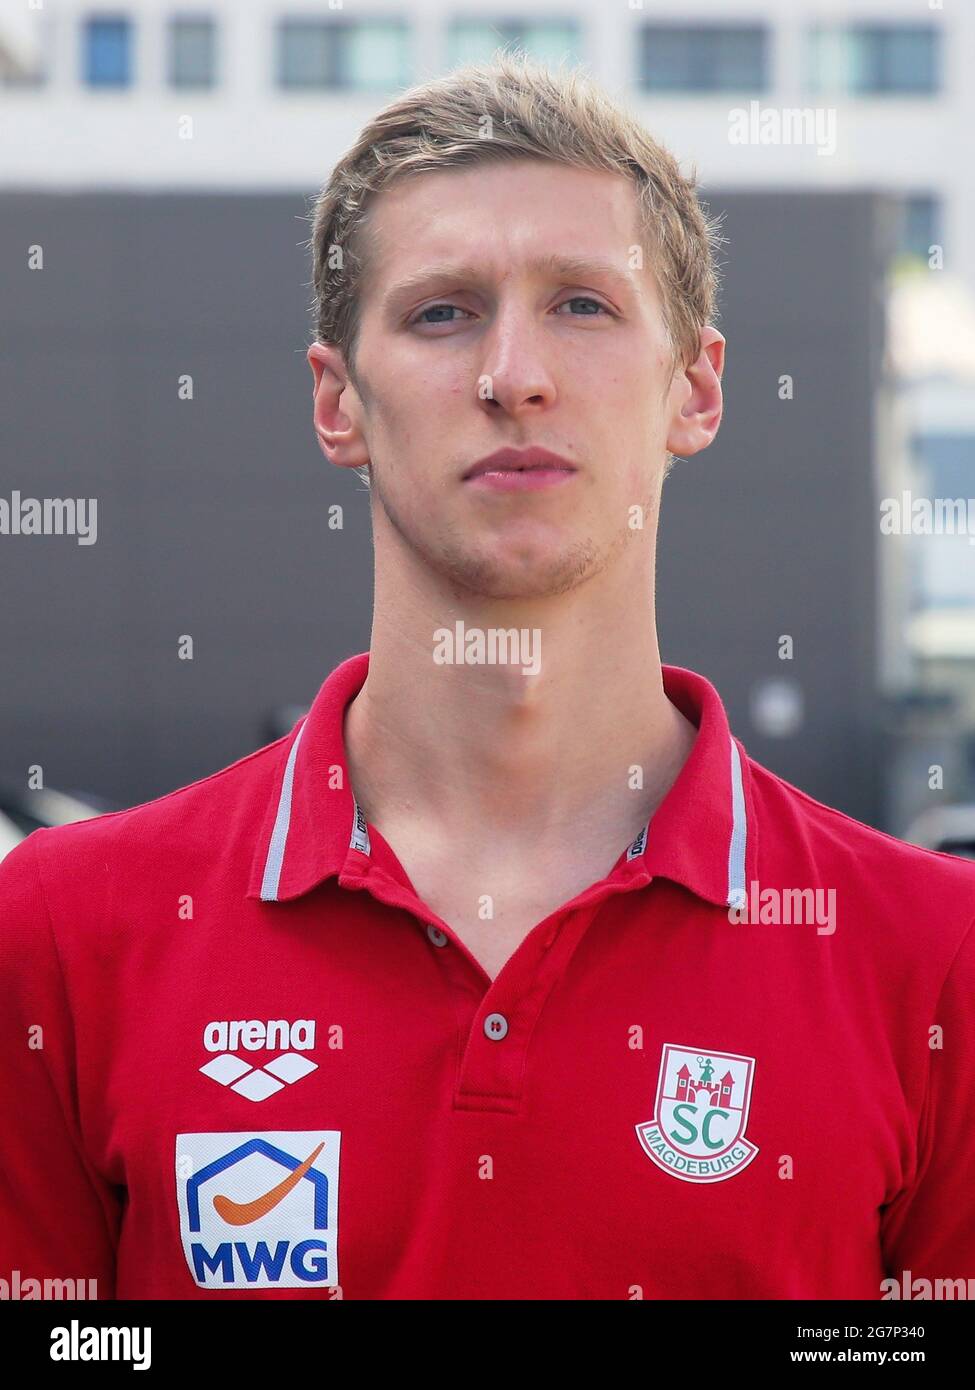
259 1211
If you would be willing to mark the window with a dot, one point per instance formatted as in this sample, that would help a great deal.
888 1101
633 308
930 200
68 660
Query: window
375 56
548 41
305 51
192 52
944 576
920 225
359 55
876 59
705 58
107 52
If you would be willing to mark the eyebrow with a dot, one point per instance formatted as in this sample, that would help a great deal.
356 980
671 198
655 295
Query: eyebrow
565 267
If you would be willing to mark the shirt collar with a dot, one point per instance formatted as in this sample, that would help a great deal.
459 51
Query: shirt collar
702 835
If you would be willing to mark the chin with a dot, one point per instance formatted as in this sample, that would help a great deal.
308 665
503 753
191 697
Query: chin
535 576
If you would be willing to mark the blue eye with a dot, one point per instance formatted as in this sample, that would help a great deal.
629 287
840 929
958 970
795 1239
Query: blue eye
583 299
434 309
444 313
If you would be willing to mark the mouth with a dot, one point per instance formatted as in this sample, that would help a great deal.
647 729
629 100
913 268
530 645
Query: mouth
520 468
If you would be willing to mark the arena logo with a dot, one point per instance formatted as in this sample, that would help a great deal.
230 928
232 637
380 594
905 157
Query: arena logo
253 1035
813 907
258 1083
493 646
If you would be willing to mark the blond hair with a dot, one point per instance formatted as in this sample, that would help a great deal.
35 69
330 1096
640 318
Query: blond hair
512 108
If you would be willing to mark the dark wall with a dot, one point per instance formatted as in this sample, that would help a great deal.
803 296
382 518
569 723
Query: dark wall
212 513
773 530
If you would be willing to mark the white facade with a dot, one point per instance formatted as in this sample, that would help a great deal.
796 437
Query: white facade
247 132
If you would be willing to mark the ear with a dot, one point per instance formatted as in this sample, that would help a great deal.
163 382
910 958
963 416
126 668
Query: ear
339 432
695 397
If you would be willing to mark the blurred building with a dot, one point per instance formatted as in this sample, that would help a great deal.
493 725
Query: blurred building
927 550
159 367
148 94
163 154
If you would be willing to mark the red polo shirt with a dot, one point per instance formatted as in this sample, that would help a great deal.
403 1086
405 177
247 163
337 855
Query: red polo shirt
246 1060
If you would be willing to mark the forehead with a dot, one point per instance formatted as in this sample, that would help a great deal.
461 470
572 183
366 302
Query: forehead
498 214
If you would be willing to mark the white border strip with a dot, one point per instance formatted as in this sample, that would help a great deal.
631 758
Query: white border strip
739 834
279 835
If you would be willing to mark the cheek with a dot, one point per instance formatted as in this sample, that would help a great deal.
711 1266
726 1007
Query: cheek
636 381
426 418
446 390
423 391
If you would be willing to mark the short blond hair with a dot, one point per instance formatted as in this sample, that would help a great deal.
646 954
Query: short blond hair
512 108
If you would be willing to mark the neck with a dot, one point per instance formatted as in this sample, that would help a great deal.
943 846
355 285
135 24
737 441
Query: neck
588 744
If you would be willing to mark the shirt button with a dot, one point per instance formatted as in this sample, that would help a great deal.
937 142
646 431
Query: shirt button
495 1027
438 937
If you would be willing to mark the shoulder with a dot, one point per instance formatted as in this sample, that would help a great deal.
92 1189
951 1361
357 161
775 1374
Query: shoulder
790 814
893 890
186 824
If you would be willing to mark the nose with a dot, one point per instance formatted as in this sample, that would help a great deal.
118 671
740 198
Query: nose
516 373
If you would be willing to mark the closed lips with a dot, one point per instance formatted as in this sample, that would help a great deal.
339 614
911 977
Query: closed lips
519 461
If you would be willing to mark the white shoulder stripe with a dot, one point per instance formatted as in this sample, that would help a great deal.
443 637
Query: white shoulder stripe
739 833
279 835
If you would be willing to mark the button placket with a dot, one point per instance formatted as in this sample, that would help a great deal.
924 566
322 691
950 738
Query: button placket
492 1069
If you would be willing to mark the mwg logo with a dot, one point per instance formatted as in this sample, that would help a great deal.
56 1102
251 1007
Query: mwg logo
259 1210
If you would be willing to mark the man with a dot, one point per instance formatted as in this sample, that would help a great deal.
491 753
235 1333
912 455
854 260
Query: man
507 973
